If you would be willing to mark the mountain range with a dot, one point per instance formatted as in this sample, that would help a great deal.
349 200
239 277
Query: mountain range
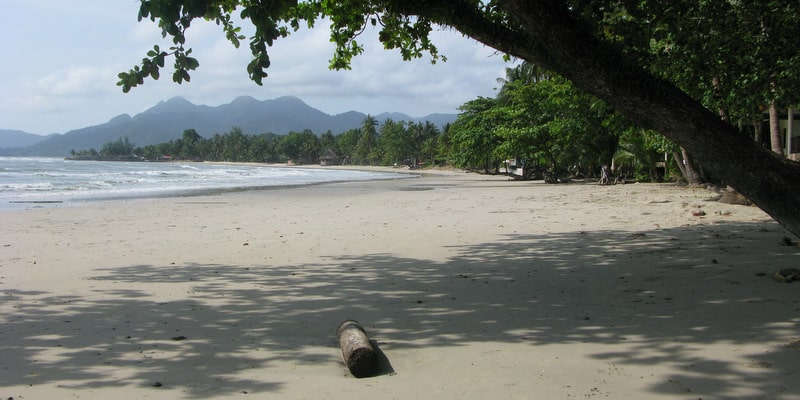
168 119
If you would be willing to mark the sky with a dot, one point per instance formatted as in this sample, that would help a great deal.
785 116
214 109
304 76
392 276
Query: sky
61 60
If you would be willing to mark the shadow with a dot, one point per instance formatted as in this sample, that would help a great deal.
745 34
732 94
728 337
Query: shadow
384 365
601 288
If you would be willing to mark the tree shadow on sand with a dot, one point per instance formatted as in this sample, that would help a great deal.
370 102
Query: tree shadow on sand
599 288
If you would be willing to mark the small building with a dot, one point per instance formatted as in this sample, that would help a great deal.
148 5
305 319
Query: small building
329 157
513 167
789 128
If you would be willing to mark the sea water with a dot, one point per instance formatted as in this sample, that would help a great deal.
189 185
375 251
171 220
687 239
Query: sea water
26 181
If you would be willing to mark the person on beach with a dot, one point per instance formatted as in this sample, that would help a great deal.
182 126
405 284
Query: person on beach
604 175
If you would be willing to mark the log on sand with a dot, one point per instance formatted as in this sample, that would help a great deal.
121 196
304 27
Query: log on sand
359 355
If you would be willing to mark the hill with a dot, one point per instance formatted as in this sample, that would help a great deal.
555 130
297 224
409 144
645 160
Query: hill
13 139
168 119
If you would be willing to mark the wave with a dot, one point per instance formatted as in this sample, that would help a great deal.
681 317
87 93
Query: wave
43 179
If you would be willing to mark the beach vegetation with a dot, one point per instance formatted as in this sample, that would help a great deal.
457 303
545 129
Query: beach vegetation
120 149
346 143
327 141
387 143
300 147
473 137
409 143
679 68
541 124
83 154
367 150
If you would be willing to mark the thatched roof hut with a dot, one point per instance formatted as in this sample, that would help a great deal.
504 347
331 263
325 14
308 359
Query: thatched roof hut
329 157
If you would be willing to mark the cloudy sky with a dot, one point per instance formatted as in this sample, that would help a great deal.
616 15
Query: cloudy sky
61 60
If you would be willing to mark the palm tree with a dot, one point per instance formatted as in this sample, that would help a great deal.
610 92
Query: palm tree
368 139
525 73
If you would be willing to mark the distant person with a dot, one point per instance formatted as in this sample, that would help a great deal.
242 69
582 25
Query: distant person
604 179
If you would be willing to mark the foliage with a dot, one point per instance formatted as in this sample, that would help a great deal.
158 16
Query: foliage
86 153
748 47
272 20
119 148
473 136
367 150
705 47
541 120
735 57
607 48
395 141
300 147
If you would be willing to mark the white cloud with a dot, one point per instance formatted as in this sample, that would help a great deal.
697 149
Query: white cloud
78 81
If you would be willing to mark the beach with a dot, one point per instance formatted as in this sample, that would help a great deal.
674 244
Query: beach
471 286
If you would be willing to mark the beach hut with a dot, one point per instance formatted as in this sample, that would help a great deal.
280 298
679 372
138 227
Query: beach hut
329 157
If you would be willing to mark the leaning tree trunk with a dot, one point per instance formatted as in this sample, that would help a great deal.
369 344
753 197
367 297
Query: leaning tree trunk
679 162
692 177
685 165
545 33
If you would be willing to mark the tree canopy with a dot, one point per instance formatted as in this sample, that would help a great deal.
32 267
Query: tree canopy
646 59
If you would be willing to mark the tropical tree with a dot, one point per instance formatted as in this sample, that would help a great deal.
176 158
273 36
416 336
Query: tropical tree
346 143
422 140
473 137
328 141
567 37
545 122
738 58
395 142
367 146
121 147
444 144
263 148
235 145
300 147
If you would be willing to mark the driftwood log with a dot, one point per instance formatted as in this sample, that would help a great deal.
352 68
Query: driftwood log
359 355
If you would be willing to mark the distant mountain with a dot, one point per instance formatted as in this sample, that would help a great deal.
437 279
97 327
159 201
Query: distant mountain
10 139
168 119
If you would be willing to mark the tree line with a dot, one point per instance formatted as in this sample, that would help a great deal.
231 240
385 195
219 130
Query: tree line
387 143
538 126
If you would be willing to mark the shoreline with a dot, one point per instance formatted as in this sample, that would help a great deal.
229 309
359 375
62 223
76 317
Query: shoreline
472 286
72 199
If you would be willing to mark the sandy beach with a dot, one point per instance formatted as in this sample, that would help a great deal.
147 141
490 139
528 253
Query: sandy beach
473 287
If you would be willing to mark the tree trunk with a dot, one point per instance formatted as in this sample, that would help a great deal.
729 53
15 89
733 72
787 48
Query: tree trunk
679 162
775 130
358 354
685 165
758 132
723 113
789 132
545 33
692 177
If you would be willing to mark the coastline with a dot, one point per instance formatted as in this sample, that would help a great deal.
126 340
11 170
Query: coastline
473 286
85 183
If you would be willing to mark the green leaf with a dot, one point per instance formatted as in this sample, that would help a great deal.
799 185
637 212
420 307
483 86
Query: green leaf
191 63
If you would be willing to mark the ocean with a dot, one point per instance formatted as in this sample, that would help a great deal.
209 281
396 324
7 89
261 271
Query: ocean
28 181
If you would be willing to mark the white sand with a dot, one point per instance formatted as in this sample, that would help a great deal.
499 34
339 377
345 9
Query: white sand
474 287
